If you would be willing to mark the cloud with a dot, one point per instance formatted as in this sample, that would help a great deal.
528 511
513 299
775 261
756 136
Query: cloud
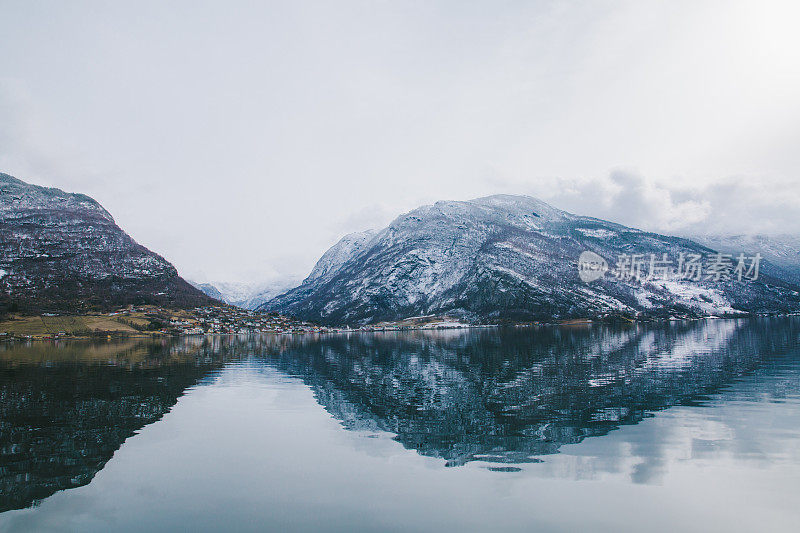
30 148
734 205
373 216
17 126
321 119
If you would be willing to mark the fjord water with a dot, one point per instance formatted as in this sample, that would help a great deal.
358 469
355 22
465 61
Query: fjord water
688 426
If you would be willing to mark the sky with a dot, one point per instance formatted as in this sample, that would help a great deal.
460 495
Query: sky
241 139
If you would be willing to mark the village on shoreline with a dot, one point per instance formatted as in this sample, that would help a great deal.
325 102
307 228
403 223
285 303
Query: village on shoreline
153 321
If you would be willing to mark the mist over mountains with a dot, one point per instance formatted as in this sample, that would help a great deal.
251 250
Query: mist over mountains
248 295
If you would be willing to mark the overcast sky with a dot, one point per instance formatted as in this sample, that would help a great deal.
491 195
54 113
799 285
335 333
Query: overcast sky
241 139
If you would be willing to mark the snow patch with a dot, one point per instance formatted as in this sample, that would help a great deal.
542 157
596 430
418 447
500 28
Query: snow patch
643 300
597 233
707 299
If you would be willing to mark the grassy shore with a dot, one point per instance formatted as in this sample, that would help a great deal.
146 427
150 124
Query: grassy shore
73 325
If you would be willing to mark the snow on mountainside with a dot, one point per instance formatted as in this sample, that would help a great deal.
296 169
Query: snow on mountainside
265 292
209 290
255 295
248 295
63 252
348 247
508 257
782 251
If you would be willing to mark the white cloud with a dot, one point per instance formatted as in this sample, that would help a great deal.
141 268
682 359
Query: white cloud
239 140
725 206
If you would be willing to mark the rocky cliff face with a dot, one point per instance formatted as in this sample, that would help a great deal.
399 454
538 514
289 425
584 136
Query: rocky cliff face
63 252
509 257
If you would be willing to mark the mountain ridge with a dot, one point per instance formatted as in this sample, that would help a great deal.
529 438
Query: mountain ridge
63 252
508 257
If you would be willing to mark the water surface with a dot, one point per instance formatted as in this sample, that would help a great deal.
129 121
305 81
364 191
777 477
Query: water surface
691 426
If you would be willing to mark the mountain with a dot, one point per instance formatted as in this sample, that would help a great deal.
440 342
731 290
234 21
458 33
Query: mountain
62 252
348 247
248 295
781 251
209 290
265 292
511 258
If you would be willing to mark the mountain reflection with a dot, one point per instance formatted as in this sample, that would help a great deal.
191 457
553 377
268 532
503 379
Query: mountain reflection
501 396
513 396
65 409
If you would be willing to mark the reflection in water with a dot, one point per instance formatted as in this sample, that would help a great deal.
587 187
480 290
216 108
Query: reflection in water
512 397
63 418
504 397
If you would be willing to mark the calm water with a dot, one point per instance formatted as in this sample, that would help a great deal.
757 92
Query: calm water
684 426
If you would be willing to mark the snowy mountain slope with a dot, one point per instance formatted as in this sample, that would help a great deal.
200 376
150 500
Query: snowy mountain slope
348 247
209 290
63 252
507 258
265 292
248 295
781 251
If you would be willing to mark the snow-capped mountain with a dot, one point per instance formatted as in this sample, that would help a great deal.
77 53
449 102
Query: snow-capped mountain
64 252
510 257
266 291
248 295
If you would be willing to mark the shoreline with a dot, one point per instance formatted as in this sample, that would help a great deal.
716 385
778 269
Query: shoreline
322 330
